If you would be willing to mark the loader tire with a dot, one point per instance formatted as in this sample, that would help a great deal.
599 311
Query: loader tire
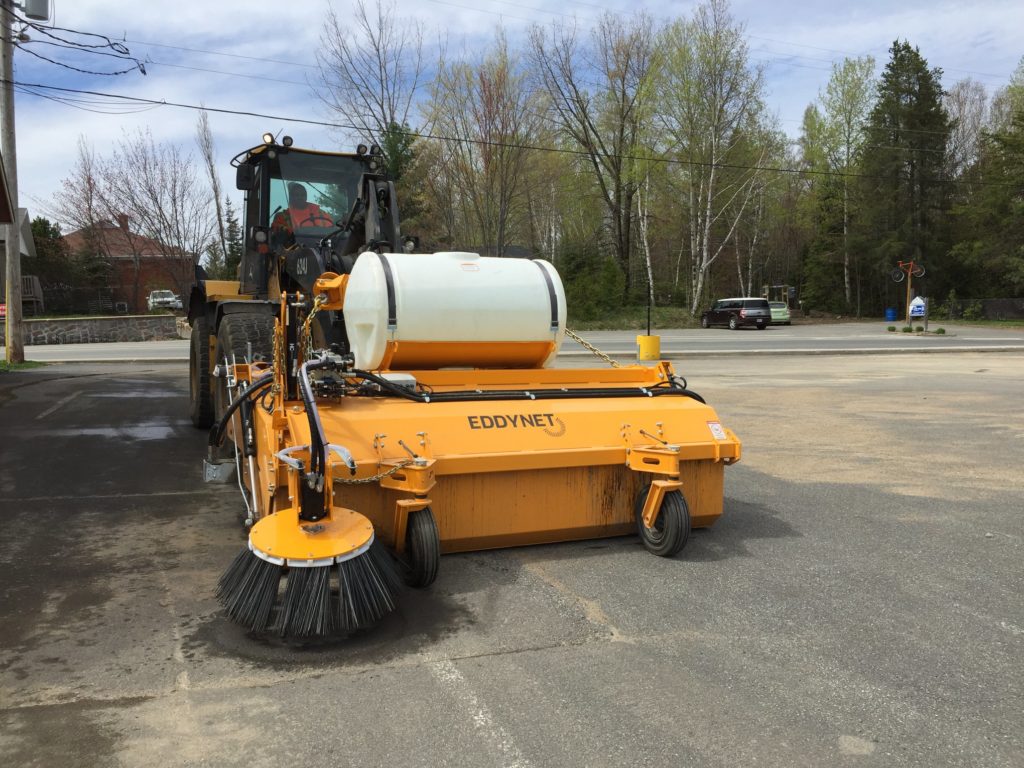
733 325
200 395
241 336
671 528
422 549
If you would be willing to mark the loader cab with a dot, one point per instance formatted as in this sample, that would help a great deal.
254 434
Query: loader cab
293 198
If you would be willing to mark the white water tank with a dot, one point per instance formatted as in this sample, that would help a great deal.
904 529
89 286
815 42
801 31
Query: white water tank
409 311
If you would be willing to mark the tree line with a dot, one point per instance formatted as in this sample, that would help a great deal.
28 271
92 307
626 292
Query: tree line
642 158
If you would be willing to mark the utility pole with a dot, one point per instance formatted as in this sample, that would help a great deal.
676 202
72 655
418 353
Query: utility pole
13 338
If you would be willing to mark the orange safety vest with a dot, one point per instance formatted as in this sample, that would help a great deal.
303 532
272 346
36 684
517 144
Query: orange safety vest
308 215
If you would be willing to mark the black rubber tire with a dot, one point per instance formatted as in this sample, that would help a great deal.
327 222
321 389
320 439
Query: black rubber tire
200 396
237 334
761 326
671 528
705 323
422 549
733 325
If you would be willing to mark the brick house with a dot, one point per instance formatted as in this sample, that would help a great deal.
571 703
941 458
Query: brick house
138 264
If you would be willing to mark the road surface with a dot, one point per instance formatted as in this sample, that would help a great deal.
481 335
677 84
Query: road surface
858 604
847 338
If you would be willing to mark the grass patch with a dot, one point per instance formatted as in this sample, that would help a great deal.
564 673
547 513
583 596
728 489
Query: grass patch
6 367
635 318
1008 324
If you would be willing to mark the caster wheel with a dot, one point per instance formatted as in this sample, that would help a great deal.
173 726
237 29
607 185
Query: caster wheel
671 528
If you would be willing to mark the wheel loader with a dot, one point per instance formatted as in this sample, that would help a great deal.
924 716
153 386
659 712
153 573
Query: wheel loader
380 407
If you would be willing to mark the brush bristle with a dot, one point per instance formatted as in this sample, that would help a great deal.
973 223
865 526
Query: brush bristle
367 585
248 590
307 610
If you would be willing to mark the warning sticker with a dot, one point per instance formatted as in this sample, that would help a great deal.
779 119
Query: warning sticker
716 430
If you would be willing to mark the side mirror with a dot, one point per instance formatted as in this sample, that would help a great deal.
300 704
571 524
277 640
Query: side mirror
245 176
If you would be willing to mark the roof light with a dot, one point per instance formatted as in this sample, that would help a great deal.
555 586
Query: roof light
287 141
361 149
374 149
268 138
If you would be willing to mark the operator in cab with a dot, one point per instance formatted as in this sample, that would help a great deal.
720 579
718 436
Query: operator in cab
300 213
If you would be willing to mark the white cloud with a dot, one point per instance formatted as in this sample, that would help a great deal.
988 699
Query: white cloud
795 40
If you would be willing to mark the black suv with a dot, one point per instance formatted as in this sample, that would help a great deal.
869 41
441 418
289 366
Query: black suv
737 312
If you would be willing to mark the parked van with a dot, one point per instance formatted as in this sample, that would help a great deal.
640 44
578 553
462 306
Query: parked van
734 313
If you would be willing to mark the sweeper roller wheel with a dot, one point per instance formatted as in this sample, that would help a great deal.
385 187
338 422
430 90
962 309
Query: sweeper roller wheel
422 549
671 528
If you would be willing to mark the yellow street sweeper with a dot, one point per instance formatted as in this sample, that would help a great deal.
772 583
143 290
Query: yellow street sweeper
381 407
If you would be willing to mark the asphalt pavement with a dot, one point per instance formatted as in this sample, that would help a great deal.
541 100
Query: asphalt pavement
859 603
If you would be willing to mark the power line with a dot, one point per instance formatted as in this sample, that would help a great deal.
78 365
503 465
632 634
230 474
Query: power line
495 144
138 65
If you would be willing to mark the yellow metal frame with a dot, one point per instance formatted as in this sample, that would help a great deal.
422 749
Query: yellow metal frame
496 473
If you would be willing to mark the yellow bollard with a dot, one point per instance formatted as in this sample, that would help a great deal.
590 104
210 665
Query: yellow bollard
648 348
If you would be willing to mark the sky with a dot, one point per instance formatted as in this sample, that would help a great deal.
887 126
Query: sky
261 57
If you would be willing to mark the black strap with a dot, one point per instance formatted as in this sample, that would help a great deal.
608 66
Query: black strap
389 278
551 294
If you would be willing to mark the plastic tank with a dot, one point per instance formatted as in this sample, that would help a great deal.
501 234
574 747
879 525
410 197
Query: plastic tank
453 309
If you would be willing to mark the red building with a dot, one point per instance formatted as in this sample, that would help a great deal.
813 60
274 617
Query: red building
138 264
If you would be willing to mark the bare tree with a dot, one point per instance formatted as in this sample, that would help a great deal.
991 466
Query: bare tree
145 198
607 120
846 102
967 104
204 138
490 117
711 96
370 67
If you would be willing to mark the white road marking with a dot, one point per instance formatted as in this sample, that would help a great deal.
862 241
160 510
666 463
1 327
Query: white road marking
58 404
497 737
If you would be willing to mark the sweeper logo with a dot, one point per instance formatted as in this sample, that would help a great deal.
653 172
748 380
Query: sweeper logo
547 422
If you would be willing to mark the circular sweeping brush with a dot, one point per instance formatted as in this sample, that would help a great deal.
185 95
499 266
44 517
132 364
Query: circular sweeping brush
310 580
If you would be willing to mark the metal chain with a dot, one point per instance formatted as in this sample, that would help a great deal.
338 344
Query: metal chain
591 348
379 476
278 366
307 329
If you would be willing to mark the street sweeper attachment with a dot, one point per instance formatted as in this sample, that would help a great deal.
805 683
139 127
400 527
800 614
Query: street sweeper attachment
382 407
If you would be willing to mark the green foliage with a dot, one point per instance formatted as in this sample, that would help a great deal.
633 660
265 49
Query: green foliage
221 265
919 329
940 331
907 329
53 263
397 143
594 284
891 329
973 310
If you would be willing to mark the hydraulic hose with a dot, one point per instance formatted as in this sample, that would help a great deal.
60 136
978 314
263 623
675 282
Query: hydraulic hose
666 388
318 440
218 429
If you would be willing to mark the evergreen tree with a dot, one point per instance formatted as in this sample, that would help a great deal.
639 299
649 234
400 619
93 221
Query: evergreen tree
905 151
52 263
235 241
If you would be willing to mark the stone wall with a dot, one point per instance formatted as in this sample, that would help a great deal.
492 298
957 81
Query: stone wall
84 330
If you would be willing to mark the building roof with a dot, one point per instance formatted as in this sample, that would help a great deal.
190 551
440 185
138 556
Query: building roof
28 242
118 241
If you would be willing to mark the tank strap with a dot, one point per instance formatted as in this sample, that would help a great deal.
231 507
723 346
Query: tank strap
389 278
552 296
